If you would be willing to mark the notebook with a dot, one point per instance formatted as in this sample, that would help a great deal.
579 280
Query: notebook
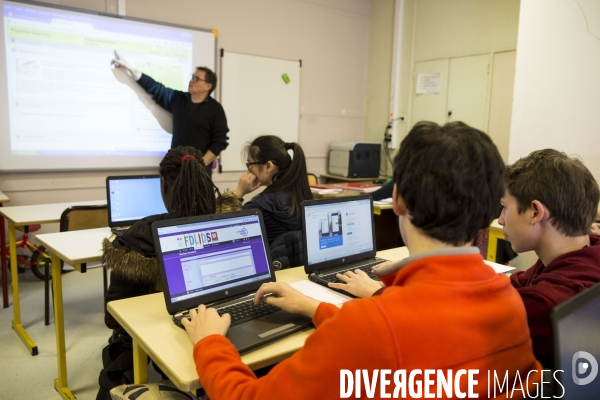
338 235
131 198
575 327
221 260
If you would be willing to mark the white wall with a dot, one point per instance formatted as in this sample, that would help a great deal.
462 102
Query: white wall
443 29
456 28
557 86
329 36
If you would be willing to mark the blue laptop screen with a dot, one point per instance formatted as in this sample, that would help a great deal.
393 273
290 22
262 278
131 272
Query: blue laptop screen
205 257
134 199
336 230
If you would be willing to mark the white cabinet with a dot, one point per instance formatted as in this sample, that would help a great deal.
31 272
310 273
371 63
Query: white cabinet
463 93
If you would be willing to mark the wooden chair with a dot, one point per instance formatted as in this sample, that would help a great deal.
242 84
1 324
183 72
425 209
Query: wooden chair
74 219
312 179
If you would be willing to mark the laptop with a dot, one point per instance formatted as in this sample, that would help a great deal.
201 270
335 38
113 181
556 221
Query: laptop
576 330
338 235
221 260
131 198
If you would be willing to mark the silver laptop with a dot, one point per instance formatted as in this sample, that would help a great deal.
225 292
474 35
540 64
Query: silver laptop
221 260
131 198
576 329
338 235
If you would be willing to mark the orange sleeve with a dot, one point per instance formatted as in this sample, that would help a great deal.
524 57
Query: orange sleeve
313 372
324 311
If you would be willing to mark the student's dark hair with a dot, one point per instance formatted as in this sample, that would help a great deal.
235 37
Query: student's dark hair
194 193
292 176
561 183
451 180
209 77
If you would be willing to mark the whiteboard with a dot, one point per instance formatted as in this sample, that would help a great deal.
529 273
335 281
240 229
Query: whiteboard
258 101
62 107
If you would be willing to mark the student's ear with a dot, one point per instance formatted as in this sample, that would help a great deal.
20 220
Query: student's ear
540 213
398 203
269 166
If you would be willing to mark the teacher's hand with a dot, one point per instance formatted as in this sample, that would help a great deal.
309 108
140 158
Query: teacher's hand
120 62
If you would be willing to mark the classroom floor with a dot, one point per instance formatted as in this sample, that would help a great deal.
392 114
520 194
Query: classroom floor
23 376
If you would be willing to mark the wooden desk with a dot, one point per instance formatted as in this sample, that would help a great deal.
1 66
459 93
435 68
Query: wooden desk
154 334
328 177
74 248
23 216
3 199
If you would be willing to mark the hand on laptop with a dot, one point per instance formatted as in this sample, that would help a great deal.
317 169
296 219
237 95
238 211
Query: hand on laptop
288 298
358 283
205 322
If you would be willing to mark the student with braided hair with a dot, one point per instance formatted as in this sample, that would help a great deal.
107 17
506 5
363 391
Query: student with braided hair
187 191
269 164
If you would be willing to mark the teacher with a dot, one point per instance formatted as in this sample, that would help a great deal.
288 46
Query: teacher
198 119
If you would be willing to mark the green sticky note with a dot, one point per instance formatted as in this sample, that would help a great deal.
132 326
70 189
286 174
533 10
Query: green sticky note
285 78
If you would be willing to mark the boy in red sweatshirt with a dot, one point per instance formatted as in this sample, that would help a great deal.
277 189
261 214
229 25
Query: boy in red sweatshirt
550 202
442 309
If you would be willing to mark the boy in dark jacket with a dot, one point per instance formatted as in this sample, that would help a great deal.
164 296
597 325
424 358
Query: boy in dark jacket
548 207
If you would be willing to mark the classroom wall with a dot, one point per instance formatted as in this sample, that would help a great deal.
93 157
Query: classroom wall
380 92
331 37
431 30
379 71
445 29
557 90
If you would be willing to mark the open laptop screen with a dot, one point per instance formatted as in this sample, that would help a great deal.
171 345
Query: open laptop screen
576 326
131 198
212 257
338 229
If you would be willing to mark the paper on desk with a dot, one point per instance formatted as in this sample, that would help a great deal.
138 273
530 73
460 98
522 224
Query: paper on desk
499 268
383 202
318 292
326 191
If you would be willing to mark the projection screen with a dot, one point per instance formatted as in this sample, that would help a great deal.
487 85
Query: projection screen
62 106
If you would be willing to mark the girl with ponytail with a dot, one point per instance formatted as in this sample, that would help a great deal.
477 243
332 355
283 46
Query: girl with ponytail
285 179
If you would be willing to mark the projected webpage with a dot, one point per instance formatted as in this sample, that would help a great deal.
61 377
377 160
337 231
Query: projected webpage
63 97
337 230
206 257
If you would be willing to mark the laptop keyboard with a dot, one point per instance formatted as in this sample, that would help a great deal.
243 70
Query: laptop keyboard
246 310
240 312
365 268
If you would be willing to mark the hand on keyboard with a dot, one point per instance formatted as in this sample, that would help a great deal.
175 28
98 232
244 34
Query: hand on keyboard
357 282
246 310
204 322
287 298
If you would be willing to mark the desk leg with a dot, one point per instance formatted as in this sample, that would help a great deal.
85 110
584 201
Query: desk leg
16 323
60 384
3 262
140 364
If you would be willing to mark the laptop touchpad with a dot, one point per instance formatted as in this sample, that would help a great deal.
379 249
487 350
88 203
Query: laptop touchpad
265 329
